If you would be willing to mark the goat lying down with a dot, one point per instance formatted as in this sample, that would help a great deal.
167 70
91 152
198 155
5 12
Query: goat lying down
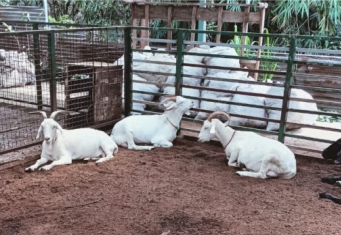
62 146
159 130
262 157
333 152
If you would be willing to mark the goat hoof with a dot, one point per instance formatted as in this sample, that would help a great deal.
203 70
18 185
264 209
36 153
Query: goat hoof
44 169
323 195
28 170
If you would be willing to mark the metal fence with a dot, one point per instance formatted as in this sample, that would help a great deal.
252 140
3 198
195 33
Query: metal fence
298 92
58 70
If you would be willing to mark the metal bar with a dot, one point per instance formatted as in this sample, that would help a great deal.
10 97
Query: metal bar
63 30
128 75
234 92
37 67
284 49
52 65
303 149
47 23
309 138
235 57
231 33
231 68
287 88
155 73
21 102
154 40
179 62
234 80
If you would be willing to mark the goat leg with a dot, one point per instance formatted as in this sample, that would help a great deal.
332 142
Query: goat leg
61 161
330 180
38 163
330 197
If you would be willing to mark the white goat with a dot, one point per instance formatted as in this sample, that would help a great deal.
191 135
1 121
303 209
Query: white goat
159 130
62 146
262 157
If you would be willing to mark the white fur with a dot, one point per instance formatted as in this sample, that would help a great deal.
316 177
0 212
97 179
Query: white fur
263 158
152 129
62 146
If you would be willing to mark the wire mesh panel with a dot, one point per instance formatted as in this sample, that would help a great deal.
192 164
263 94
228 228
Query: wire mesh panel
70 70
17 92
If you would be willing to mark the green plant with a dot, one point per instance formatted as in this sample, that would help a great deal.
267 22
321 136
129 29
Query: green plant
267 65
64 19
237 40
331 119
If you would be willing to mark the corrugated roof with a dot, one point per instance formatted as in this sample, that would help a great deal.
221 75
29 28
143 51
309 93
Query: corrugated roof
17 13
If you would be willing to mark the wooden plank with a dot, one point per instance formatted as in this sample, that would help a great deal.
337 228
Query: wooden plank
193 22
238 17
182 13
204 14
182 4
245 26
260 40
160 12
134 23
145 23
169 25
219 24
108 99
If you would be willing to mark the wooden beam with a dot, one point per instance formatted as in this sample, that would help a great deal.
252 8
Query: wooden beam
260 39
245 27
169 25
193 22
204 14
145 23
134 33
219 24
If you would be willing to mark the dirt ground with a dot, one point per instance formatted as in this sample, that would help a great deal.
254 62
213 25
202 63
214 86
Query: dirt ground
187 189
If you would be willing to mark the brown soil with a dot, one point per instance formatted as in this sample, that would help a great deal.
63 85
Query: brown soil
187 189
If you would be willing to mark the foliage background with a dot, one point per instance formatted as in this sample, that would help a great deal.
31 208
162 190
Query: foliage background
299 17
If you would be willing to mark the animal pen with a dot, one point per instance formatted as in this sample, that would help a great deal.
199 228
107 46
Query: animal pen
54 68
80 70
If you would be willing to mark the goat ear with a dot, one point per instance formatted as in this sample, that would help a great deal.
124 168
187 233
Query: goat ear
59 128
39 134
212 130
169 105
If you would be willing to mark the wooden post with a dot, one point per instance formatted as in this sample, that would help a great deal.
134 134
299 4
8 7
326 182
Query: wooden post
134 33
169 25
134 24
261 30
145 23
219 24
193 24
245 27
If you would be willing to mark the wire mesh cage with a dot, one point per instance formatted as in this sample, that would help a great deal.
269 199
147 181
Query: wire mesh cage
70 69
